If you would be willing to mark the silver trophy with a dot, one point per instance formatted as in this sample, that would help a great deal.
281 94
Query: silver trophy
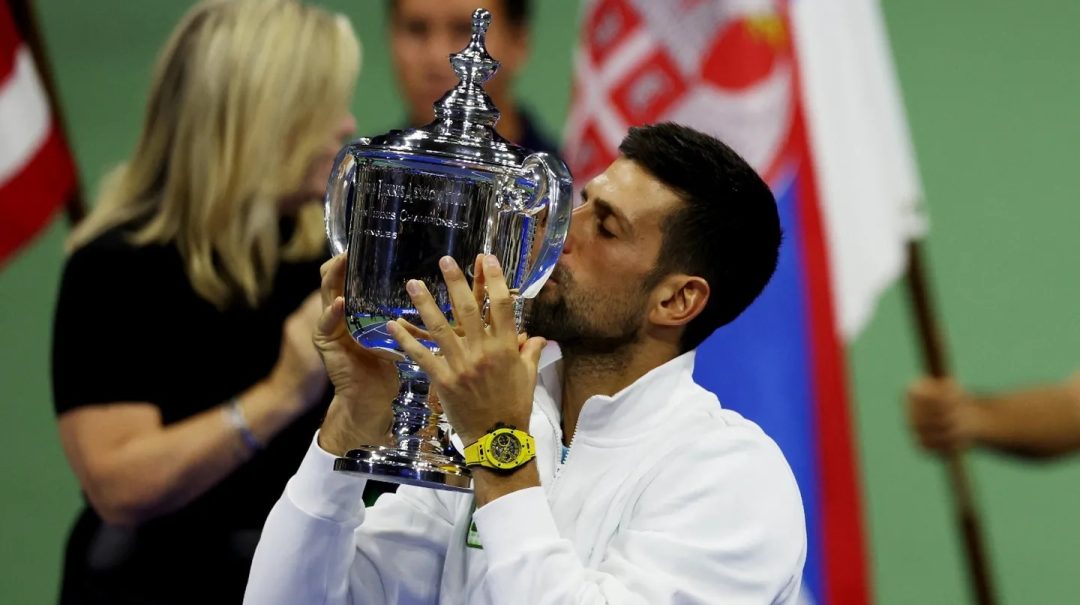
401 201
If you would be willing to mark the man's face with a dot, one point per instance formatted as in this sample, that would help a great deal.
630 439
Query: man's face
424 33
596 299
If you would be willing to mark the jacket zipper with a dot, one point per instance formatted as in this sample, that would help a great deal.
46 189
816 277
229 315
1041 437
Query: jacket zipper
562 462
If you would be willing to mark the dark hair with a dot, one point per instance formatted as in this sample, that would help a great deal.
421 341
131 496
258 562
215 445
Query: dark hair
727 231
517 12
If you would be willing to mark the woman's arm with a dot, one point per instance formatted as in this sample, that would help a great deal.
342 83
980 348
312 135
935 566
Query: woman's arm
133 468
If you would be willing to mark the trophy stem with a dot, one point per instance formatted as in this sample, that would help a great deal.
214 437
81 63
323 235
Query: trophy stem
418 420
422 453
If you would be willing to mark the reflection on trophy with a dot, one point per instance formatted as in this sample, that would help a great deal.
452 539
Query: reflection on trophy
401 201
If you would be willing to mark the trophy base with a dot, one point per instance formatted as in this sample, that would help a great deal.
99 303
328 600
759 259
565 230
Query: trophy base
393 465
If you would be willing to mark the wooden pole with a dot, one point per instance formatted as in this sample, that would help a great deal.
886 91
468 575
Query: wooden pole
935 364
27 24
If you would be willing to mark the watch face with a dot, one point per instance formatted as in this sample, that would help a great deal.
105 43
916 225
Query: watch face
505 448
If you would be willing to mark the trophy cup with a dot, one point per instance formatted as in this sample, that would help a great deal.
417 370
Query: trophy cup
401 201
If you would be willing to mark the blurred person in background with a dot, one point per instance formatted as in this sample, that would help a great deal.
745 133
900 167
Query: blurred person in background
1037 422
423 35
185 381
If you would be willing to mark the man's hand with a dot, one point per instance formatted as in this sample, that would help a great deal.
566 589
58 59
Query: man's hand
481 374
364 384
298 373
942 414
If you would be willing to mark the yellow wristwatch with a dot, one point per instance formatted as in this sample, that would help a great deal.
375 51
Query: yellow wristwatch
503 448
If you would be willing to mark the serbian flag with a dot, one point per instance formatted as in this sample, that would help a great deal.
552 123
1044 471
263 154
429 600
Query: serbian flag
37 175
806 92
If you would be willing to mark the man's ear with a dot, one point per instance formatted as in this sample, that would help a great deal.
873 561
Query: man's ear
677 299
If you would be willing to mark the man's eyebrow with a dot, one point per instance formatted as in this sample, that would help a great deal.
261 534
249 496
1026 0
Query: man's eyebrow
604 208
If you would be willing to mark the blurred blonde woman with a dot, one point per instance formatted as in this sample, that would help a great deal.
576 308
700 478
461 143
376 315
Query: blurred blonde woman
205 242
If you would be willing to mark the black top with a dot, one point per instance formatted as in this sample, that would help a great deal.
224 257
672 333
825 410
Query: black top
129 327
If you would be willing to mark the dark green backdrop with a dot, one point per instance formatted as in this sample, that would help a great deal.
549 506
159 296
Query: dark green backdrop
992 89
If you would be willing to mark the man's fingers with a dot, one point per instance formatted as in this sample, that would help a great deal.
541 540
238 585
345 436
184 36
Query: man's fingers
466 311
333 278
434 320
532 349
422 334
332 318
501 313
415 331
432 365
479 290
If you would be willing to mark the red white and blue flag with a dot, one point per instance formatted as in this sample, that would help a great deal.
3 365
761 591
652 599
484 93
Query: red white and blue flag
806 92
37 174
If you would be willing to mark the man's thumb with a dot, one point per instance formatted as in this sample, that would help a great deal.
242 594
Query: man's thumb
532 349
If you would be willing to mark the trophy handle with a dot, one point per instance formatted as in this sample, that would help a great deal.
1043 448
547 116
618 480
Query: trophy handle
338 199
554 188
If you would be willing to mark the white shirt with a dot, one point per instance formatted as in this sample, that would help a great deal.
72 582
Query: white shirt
664 497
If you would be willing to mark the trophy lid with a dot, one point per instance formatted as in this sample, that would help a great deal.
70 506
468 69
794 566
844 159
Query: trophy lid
465 117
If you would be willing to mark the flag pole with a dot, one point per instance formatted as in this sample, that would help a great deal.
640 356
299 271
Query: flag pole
27 24
935 364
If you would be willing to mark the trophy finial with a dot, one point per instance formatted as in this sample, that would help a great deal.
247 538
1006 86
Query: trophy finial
467 102
473 64
481 19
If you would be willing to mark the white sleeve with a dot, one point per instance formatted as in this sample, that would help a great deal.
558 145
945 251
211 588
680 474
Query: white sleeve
728 529
319 544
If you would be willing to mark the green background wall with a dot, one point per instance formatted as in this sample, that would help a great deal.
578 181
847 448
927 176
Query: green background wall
992 89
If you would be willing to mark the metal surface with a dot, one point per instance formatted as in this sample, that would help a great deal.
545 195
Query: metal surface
406 468
400 201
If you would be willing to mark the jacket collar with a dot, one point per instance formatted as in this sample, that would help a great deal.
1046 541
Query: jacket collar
625 415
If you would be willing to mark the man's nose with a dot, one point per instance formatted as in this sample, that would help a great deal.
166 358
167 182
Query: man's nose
571 232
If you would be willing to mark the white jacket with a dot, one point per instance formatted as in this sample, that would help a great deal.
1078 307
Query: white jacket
664 497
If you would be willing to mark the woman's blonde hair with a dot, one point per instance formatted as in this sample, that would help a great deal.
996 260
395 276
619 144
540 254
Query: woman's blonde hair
244 94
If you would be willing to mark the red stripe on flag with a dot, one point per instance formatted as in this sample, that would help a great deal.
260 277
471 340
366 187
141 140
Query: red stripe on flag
607 26
10 40
845 565
33 194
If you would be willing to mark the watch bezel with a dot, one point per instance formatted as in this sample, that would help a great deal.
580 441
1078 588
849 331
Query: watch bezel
481 453
492 450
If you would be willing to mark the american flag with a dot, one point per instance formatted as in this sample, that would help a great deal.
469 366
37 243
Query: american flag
37 174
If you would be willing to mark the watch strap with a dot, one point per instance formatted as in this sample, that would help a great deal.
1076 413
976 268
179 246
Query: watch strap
474 453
